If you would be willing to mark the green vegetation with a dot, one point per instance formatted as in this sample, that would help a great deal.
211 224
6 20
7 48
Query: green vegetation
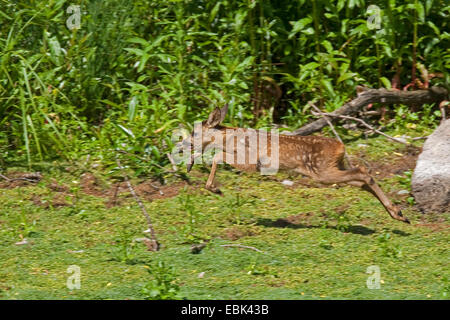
71 101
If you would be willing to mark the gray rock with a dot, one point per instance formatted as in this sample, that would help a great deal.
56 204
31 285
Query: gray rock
288 183
430 183
24 241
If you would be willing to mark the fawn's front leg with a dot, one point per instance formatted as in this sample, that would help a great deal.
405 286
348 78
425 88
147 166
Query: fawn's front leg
210 183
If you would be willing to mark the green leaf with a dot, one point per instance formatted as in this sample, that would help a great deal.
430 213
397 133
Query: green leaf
214 11
328 86
387 50
55 50
309 66
351 4
132 108
386 83
244 64
341 4
299 26
308 31
327 45
138 52
428 5
243 85
346 76
127 131
239 18
433 26
420 11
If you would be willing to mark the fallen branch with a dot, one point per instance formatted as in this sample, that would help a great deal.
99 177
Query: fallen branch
363 123
30 177
241 246
368 96
154 242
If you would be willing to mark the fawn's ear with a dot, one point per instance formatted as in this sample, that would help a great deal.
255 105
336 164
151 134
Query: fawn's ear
217 116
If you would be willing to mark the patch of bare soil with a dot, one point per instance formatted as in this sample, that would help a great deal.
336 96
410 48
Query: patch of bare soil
19 179
91 185
435 227
235 233
392 165
55 186
148 190
151 190
434 223
57 201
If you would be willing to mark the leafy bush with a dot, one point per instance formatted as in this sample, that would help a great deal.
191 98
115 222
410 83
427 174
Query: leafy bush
136 70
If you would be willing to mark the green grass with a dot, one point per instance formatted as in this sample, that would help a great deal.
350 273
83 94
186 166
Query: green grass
335 234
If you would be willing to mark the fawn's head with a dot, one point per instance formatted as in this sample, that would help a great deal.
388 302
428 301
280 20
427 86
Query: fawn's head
206 133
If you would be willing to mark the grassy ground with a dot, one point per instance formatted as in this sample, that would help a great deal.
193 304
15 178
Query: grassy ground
316 243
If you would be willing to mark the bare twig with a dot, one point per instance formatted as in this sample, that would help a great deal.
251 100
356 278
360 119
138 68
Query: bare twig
327 120
241 246
116 191
154 242
174 165
365 124
332 129
419 138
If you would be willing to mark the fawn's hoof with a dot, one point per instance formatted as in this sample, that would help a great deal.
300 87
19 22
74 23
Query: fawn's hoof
214 190
402 218
405 220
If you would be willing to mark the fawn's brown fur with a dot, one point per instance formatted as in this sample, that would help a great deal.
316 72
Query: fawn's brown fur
319 158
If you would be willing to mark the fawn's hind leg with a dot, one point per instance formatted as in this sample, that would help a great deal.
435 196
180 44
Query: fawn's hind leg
359 177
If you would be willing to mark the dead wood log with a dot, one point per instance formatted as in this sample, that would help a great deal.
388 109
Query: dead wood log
368 96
